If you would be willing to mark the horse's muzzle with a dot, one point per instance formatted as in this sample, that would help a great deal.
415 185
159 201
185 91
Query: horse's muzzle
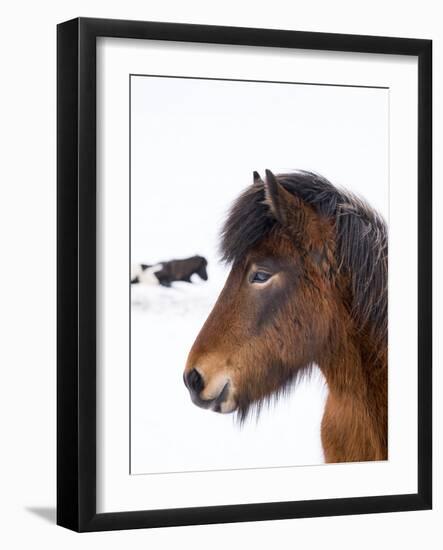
218 403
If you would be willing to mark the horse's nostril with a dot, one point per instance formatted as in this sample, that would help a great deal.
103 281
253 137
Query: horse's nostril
194 381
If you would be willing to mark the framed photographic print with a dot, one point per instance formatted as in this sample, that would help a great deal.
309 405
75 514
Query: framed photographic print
244 274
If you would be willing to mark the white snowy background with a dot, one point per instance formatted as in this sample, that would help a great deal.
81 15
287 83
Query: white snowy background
194 145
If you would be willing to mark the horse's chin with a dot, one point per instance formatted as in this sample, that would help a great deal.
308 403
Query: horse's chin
224 401
226 407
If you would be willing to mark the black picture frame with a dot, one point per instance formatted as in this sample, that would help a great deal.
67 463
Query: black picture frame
76 280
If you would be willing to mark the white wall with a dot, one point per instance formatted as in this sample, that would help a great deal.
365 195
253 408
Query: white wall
27 286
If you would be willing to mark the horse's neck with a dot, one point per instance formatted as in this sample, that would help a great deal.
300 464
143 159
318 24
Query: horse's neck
354 426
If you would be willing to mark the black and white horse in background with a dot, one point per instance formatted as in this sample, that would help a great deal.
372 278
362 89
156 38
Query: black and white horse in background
165 273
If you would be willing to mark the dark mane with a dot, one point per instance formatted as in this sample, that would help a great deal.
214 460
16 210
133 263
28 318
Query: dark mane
361 235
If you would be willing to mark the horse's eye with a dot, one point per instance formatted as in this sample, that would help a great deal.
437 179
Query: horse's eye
260 277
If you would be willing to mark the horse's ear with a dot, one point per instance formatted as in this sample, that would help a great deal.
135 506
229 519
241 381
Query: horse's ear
298 219
281 203
256 177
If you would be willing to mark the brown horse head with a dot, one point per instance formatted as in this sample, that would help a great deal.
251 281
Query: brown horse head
294 290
